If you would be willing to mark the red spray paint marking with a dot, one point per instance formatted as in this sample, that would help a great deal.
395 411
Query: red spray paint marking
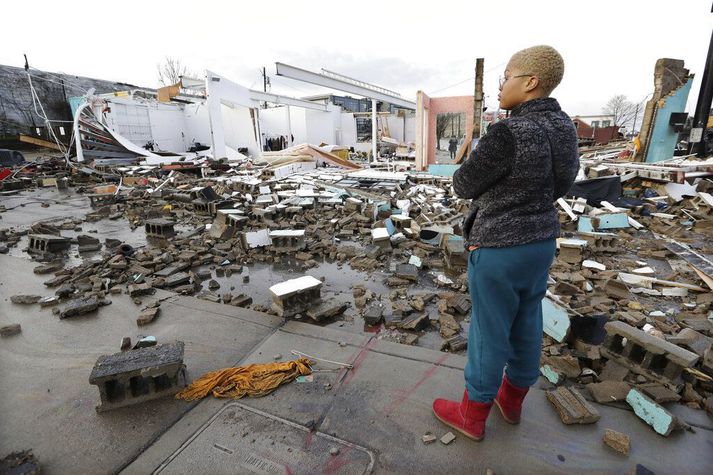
405 395
358 361
337 462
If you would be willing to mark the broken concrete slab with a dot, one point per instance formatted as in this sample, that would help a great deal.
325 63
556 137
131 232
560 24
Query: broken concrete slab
415 321
327 309
662 421
571 406
137 290
555 320
658 392
148 315
25 299
79 306
179 278
407 272
10 330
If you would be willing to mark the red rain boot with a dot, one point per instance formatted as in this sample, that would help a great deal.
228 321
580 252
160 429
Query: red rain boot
509 401
467 417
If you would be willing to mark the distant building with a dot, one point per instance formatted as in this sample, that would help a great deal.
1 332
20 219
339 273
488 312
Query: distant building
597 121
599 134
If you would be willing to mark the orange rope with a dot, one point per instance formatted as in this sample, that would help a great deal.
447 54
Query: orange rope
253 380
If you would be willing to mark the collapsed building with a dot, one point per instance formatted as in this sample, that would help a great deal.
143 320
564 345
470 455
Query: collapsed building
627 316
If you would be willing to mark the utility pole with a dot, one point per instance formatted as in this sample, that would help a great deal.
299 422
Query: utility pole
703 107
633 126
478 98
265 82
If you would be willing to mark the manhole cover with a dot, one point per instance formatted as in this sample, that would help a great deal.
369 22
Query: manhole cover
240 439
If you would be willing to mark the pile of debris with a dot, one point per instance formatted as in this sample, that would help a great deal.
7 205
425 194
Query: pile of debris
628 312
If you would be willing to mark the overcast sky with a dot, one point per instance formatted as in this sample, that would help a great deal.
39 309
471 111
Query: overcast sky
609 47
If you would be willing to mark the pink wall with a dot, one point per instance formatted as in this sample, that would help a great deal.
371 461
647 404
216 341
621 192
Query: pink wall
437 105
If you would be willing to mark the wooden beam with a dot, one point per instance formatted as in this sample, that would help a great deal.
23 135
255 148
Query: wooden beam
464 147
39 142
478 98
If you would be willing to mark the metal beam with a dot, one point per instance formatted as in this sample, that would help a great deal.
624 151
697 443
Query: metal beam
285 100
341 85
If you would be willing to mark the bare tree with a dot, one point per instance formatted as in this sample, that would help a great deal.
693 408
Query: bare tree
442 123
622 110
171 70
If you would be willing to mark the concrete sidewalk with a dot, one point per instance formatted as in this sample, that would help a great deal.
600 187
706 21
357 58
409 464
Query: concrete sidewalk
47 403
383 407
373 415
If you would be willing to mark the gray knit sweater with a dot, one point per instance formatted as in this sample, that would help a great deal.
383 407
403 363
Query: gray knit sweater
516 173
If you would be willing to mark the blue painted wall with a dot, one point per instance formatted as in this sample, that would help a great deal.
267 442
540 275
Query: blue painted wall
663 137
443 170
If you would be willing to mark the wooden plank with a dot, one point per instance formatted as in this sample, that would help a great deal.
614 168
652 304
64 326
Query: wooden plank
567 209
465 146
39 142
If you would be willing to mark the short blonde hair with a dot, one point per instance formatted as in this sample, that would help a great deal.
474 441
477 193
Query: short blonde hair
542 61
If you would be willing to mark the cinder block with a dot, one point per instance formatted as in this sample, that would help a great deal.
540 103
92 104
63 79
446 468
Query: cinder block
647 355
135 376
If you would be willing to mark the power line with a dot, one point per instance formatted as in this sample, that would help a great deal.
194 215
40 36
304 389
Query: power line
472 78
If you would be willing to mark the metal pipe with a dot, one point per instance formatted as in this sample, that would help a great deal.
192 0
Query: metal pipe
703 107
373 130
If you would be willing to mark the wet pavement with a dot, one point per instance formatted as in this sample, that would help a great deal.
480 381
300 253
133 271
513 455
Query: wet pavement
24 210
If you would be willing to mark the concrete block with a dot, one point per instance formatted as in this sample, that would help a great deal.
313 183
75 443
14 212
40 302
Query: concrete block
159 228
47 243
571 406
655 358
662 421
296 295
373 314
135 376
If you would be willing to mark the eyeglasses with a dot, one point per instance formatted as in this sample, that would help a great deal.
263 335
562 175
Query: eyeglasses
502 79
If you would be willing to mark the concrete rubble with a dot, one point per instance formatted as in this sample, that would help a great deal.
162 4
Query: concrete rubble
627 319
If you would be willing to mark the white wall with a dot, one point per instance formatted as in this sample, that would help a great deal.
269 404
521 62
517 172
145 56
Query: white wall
197 124
238 128
323 127
349 136
168 125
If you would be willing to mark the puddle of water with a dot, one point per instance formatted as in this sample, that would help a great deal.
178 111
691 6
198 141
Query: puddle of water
338 281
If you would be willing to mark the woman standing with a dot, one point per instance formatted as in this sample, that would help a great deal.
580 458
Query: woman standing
515 174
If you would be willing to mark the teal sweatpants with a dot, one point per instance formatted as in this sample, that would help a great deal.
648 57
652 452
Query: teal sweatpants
507 286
